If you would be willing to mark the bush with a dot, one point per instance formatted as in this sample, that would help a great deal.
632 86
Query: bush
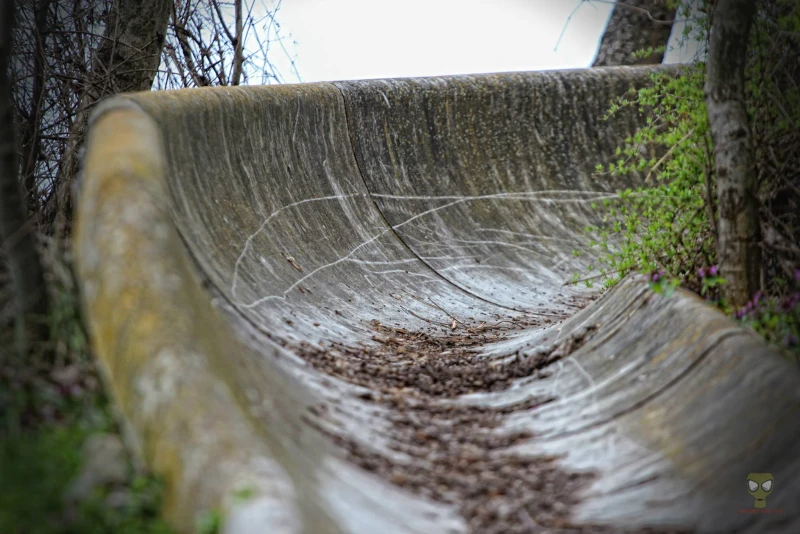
667 226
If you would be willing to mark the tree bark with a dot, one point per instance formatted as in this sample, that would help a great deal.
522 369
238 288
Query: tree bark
238 51
16 232
126 60
635 25
31 138
738 247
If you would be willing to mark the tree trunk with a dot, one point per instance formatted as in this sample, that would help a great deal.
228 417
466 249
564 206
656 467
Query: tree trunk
738 247
238 51
126 60
31 138
16 232
635 25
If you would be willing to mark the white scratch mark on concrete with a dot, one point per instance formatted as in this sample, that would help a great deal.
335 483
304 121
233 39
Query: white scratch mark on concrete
535 237
522 195
296 119
401 271
383 262
261 228
312 273
592 390
385 99
453 200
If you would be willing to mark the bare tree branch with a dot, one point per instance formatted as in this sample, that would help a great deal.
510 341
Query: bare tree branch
238 57
16 232
126 60
216 42
69 55
31 140
635 25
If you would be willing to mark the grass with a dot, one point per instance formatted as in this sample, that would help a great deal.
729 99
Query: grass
51 401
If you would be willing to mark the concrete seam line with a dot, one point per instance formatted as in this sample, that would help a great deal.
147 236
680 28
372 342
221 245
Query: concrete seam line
353 143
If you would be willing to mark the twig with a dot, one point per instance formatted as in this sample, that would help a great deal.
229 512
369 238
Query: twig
639 9
570 282
453 317
569 18
709 196
423 318
668 154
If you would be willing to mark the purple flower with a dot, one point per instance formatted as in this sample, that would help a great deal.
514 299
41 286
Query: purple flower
701 272
713 270
797 275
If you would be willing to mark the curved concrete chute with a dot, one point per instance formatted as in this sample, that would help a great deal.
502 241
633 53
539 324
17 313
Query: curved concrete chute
340 307
485 176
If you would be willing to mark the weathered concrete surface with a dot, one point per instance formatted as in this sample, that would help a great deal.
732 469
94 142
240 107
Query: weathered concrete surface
224 233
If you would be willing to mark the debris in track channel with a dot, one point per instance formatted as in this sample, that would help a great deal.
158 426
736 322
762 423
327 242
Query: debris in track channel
455 453
421 363
293 263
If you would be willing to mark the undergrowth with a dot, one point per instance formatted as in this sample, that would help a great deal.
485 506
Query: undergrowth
51 401
667 226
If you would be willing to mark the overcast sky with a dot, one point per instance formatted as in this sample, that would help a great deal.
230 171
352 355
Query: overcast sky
358 39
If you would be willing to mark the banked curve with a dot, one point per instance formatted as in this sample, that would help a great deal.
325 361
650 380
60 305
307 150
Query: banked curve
248 256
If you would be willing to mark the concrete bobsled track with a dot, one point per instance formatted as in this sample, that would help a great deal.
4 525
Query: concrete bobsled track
340 308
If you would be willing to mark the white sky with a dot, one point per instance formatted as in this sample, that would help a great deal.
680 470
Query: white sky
359 39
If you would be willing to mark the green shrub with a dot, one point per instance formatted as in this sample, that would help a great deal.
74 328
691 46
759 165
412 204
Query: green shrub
667 226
